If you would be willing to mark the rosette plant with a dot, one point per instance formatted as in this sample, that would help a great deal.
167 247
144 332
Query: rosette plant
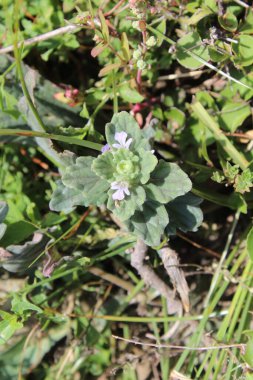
150 196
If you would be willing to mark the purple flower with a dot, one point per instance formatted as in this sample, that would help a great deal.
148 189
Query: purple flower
121 137
105 148
121 190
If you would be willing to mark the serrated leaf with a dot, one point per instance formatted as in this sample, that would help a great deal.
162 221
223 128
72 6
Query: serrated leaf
20 304
250 244
66 199
123 121
167 182
81 177
130 94
184 214
193 43
104 166
149 222
148 162
127 207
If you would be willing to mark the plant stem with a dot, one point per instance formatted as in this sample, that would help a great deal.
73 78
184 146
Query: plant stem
219 136
66 139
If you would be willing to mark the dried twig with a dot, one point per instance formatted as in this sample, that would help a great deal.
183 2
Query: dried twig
42 37
171 265
182 348
150 277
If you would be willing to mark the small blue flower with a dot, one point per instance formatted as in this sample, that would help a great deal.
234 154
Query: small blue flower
121 190
121 137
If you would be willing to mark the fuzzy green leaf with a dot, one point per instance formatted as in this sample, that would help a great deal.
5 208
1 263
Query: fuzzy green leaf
127 207
81 177
148 163
184 214
123 121
167 182
66 199
104 166
149 222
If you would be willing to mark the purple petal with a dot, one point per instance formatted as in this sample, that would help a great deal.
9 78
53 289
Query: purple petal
118 195
105 148
121 137
128 142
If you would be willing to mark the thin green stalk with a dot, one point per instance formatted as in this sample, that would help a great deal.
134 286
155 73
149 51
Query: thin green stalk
227 327
66 139
221 287
115 96
221 139
223 258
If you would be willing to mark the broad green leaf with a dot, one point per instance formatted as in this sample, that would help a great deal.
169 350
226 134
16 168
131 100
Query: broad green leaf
233 115
149 223
130 94
24 255
104 166
228 21
247 25
17 232
250 244
243 50
193 43
175 117
127 207
216 54
8 326
167 182
66 199
184 214
81 177
123 121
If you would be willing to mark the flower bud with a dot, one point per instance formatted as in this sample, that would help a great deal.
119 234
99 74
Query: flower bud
137 54
151 41
141 64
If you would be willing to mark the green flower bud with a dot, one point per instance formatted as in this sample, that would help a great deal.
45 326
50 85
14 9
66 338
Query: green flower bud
141 64
151 41
137 54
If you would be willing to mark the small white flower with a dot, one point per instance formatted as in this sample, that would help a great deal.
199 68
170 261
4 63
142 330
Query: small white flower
121 137
121 190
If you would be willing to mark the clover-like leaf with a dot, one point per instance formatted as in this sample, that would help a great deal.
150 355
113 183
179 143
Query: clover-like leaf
81 177
184 214
126 208
66 199
149 222
147 162
167 182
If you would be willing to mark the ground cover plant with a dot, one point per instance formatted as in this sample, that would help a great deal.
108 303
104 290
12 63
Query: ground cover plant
126 189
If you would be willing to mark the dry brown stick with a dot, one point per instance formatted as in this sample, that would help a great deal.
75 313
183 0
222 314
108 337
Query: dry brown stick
171 264
151 279
42 37
182 348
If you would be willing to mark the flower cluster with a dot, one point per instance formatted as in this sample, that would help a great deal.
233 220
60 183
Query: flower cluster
149 196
